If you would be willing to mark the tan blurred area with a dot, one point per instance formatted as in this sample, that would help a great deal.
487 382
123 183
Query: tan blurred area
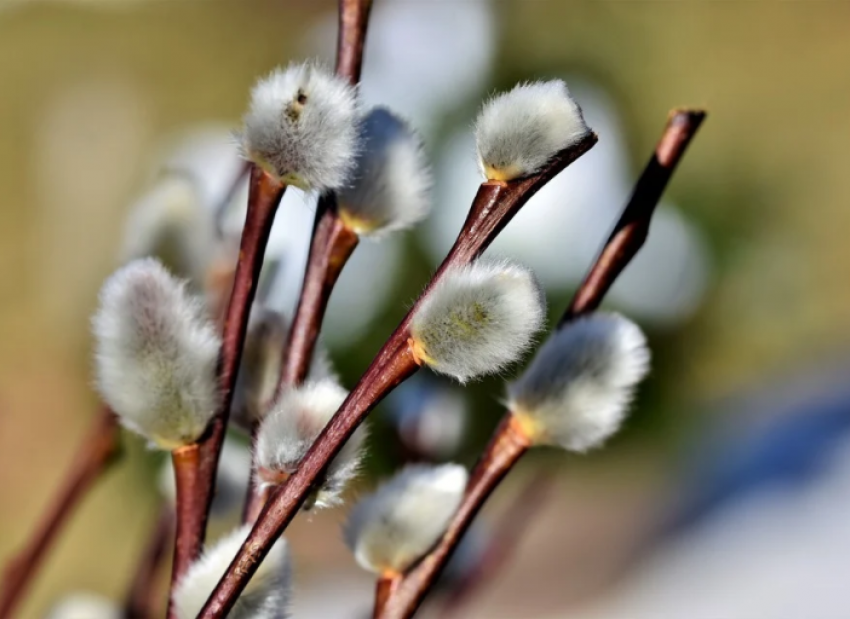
89 89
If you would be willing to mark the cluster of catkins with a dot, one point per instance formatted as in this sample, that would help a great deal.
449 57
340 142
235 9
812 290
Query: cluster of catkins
157 344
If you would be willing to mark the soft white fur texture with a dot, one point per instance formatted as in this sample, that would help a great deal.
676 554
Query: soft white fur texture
289 431
391 183
518 132
478 318
301 126
265 597
390 530
171 223
155 354
268 332
576 391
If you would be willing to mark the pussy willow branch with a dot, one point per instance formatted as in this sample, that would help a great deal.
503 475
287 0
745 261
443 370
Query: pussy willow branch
331 245
628 237
187 484
351 40
97 451
264 196
142 600
631 230
494 206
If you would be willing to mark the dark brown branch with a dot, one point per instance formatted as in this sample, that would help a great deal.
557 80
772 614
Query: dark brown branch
351 40
506 447
97 451
331 246
631 230
494 206
187 545
623 244
264 197
142 601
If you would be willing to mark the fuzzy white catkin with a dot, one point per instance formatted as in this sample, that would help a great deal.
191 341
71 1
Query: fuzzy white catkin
301 126
391 183
478 318
266 595
289 430
171 223
576 391
518 132
155 355
390 530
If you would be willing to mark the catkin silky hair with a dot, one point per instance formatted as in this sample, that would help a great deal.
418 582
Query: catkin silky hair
518 132
577 389
301 127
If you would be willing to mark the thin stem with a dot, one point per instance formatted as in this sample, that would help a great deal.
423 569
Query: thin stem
385 588
628 237
506 447
142 600
97 451
494 206
631 230
351 40
264 197
331 246
187 543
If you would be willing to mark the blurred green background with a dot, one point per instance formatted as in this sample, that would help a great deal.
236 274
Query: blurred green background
89 89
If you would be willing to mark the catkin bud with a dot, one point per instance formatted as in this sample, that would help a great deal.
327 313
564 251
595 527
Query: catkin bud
155 355
268 332
266 595
477 319
390 530
292 427
390 185
576 391
301 127
171 223
519 132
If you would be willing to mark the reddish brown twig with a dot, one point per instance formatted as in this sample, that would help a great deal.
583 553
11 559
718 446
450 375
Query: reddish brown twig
351 40
628 237
632 228
142 600
97 451
264 197
186 544
331 246
385 588
494 206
